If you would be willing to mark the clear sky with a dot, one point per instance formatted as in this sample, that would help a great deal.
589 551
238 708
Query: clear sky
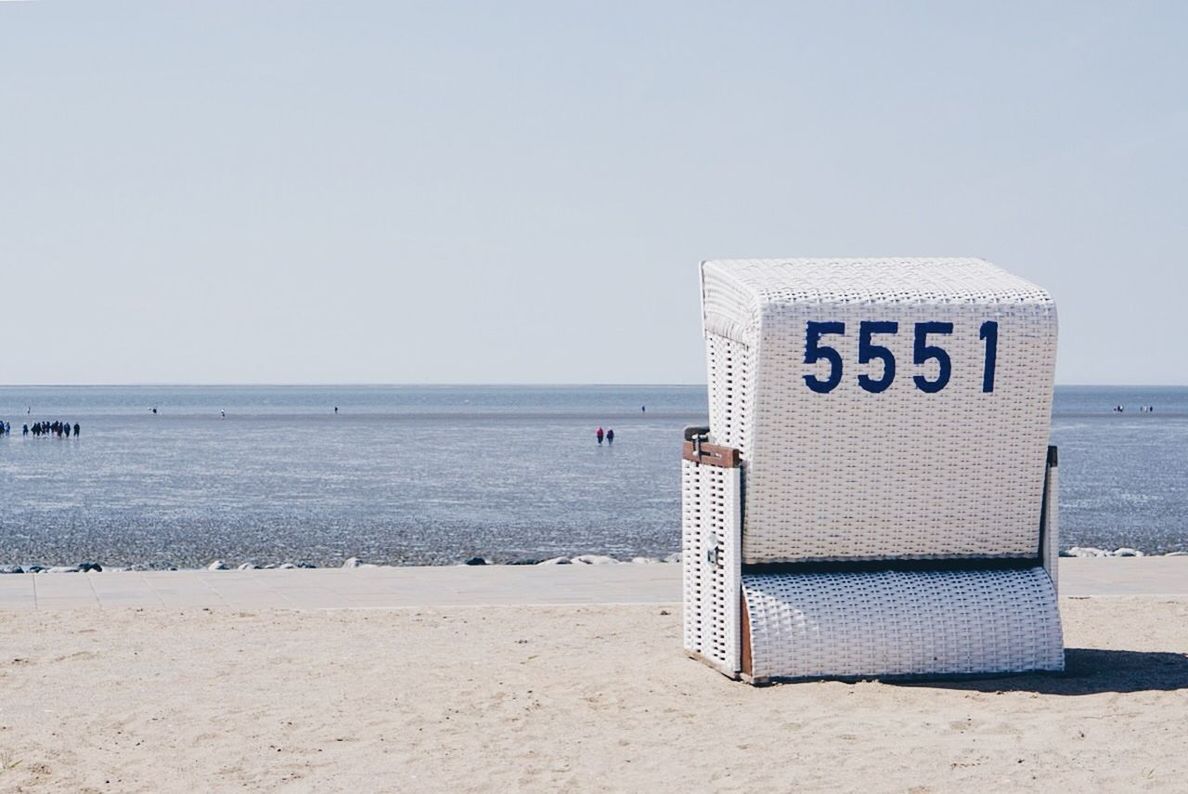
521 192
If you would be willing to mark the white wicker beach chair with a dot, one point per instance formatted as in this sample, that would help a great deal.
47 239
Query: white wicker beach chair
874 494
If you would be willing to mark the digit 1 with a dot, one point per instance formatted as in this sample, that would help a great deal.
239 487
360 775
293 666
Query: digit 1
989 333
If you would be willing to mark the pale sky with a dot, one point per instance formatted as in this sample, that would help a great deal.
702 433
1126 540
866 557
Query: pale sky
520 192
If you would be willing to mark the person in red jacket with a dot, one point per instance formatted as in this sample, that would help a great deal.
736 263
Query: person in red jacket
598 435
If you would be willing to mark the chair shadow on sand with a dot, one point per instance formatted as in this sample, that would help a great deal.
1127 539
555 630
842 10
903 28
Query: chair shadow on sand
1087 671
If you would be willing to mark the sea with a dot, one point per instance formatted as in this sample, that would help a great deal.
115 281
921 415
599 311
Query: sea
416 475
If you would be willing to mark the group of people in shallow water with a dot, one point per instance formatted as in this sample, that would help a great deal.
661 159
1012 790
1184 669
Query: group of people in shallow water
56 428
1143 409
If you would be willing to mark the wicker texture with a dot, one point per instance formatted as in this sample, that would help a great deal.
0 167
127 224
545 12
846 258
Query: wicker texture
902 623
730 392
900 474
710 557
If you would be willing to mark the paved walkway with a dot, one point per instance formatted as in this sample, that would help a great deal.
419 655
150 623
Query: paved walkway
329 588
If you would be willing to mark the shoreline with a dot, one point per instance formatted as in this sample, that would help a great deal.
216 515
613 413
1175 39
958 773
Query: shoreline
88 566
349 563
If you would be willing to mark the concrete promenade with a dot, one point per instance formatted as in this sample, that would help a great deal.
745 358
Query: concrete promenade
332 588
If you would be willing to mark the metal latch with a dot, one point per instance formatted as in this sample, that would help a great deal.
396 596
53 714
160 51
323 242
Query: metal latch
696 434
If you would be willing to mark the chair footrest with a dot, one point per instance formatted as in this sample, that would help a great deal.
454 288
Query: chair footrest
899 623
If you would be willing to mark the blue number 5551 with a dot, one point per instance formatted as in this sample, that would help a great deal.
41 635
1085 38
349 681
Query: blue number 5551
924 350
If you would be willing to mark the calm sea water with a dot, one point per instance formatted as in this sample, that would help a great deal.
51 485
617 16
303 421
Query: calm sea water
410 475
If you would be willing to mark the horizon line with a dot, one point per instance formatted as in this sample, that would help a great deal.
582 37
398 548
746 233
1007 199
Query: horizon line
454 384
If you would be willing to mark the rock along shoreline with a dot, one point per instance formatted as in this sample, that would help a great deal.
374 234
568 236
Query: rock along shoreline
350 563
580 559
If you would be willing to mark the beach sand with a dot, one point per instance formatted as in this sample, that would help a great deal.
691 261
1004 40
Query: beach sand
576 698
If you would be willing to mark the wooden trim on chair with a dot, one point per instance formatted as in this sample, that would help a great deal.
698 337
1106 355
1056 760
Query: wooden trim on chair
744 635
710 454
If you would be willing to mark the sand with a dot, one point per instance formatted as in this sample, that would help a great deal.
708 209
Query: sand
576 698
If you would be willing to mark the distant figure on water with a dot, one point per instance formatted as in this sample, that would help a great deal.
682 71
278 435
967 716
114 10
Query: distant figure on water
76 429
610 436
223 414
598 435
25 430
336 409
66 429
643 409
153 409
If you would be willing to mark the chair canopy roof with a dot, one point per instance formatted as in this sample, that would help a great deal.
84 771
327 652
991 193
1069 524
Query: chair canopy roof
736 291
